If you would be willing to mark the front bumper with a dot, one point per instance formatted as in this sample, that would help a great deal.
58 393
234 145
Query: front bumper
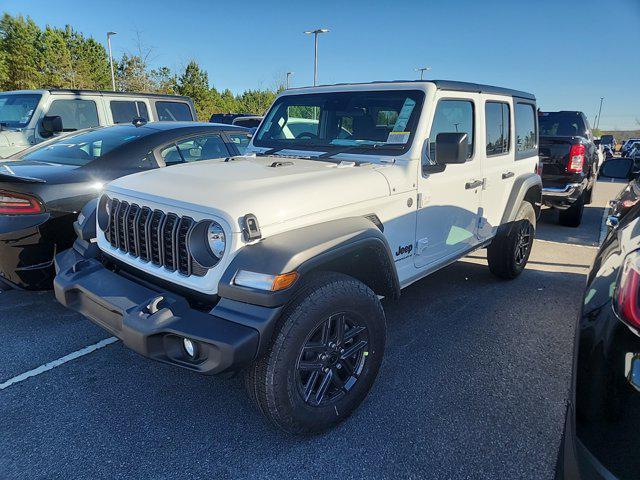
561 197
154 322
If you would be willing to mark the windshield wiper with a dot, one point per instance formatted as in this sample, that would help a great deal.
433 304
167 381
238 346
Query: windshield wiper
360 148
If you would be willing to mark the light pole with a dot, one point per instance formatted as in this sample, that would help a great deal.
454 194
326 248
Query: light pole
316 32
422 70
288 75
113 77
599 113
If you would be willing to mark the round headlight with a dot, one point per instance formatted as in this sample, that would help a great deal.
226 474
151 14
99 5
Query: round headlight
104 211
216 240
207 243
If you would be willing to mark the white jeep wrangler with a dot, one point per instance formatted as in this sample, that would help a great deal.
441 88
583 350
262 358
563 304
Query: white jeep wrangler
274 263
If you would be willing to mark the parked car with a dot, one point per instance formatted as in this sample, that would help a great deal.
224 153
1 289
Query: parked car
274 264
28 117
241 119
43 188
634 151
628 145
569 160
601 439
608 141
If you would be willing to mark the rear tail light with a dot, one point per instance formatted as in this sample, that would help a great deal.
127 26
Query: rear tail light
19 204
628 293
576 159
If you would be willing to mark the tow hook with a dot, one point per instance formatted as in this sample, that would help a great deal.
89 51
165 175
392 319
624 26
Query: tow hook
154 305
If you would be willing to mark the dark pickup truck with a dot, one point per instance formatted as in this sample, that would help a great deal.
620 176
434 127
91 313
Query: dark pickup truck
569 161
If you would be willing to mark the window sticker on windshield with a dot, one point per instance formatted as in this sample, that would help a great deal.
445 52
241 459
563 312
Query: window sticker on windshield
398 137
403 116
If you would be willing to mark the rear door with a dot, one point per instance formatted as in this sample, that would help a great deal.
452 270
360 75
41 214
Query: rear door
499 162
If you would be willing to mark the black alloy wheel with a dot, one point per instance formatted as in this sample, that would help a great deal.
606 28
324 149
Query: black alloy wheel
523 242
331 359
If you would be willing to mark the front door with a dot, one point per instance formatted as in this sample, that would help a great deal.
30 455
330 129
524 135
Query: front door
449 201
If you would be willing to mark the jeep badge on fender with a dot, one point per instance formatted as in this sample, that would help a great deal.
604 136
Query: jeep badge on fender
289 295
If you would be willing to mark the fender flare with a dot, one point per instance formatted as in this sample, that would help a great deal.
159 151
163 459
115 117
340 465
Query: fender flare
522 185
334 243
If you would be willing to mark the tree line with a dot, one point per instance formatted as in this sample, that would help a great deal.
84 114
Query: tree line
33 58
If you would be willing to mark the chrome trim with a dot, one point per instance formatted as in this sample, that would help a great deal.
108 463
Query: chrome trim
565 191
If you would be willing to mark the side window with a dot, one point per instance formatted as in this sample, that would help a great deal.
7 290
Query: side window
192 149
75 113
124 111
526 133
452 116
240 140
173 112
498 126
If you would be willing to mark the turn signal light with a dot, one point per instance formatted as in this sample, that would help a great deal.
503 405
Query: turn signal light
629 290
576 159
263 281
19 204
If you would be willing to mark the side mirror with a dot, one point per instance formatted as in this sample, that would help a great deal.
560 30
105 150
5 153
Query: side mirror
51 124
620 168
452 148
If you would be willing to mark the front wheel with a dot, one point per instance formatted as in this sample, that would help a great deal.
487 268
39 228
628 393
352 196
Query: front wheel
509 251
325 355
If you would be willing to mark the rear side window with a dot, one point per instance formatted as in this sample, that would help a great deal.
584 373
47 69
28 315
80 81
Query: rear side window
173 112
526 134
498 127
452 116
126 111
240 140
192 149
76 114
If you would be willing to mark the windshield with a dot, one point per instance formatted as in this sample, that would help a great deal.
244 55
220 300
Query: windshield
335 120
85 147
16 110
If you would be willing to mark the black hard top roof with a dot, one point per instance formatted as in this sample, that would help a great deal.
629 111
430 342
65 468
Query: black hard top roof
110 93
452 85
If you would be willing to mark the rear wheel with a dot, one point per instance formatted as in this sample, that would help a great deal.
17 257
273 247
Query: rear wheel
324 358
509 251
572 217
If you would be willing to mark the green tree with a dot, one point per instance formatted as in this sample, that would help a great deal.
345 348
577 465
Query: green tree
256 101
90 61
131 75
4 70
23 58
58 71
194 83
164 81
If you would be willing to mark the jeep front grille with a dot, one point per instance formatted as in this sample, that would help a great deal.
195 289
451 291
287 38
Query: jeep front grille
152 236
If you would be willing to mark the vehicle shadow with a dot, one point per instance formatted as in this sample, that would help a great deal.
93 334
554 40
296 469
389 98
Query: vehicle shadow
588 233
451 359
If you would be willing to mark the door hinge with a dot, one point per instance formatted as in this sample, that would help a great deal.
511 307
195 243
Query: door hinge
419 201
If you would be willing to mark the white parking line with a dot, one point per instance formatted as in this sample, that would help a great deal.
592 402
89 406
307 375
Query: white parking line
56 363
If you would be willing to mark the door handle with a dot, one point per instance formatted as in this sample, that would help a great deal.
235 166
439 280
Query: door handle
506 175
473 184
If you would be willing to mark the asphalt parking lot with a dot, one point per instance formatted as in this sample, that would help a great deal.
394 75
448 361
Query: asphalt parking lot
473 385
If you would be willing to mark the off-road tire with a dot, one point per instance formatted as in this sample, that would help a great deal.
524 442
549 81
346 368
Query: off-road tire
572 217
272 381
507 256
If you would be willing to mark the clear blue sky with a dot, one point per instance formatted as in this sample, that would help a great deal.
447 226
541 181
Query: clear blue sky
568 52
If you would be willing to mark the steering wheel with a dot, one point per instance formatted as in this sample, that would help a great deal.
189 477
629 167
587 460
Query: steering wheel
308 135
